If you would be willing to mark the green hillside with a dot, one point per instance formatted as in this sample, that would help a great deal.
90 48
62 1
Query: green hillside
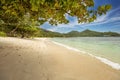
85 33
89 33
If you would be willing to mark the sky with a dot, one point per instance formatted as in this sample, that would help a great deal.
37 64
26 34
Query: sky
104 23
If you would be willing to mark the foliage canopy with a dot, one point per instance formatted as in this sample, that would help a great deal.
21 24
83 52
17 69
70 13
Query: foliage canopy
14 12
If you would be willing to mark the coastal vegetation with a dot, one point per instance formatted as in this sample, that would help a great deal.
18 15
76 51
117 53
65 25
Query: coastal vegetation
22 18
3 34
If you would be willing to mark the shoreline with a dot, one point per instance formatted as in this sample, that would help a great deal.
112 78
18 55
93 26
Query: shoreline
112 64
41 59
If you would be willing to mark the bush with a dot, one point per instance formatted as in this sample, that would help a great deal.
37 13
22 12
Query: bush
3 34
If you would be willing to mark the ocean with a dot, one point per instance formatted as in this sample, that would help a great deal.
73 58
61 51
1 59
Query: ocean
106 49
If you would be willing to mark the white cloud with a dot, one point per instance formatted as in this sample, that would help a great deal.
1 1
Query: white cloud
100 19
104 19
108 18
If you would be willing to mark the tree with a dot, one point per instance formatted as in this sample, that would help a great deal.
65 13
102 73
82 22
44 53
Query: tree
12 12
27 31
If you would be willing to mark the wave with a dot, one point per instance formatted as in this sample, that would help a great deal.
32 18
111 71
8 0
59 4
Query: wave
104 60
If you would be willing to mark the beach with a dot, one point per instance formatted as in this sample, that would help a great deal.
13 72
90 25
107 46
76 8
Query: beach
42 59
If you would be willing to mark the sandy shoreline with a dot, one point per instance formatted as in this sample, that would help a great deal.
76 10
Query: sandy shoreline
40 59
114 65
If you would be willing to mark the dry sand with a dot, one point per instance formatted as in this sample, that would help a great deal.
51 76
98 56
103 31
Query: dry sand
40 59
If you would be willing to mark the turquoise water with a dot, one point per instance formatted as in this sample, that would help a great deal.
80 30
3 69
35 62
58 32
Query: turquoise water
106 47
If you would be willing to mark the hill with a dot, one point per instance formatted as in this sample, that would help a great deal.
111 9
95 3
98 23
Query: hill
85 33
46 33
90 33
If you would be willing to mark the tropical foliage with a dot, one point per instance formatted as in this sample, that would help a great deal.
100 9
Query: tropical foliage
18 15
3 34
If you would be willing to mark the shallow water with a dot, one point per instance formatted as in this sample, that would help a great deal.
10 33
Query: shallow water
105 47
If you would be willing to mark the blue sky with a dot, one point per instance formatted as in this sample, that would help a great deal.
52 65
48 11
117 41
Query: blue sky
108 22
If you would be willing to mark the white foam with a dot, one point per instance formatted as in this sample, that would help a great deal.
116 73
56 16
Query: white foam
104 60
108 62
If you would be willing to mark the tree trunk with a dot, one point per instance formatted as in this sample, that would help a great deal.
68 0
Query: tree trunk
22 36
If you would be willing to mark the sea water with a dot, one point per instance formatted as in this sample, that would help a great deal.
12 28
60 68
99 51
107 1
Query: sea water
106 49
